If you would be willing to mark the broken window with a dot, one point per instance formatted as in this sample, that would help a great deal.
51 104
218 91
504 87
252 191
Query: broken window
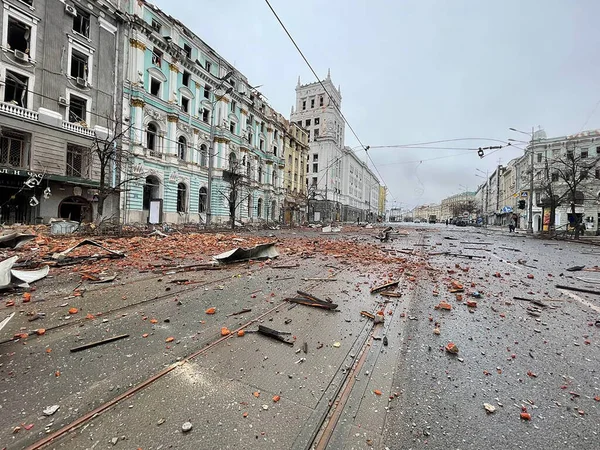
207 66
16 89
261 145
303 107
202 200
187 50
275 150
317 121
185 78
155 86
555 176
77 109
81 23
321 100
185 104
18 35
151 135
307 123
316 133
76 161
207 92
584 153
13 149
156 25
79 65
157 57
232 127
312 102
181 148
203 155
181 198
205 115
315 167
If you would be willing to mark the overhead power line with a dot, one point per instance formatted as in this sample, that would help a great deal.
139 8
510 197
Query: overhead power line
324 87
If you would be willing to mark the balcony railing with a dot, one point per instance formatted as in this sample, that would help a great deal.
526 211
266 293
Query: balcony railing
27 114
16 110
73 127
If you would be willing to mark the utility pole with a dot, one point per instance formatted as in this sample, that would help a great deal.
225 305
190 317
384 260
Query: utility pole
211 146
531 162
530 209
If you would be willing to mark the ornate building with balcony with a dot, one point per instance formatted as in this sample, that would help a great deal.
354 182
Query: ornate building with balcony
295 157
179 95
58 94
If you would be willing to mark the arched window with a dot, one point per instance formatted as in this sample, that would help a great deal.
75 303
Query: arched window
181 148
260 175
259 206
150 191
232 161
203 155
181 198
152 137
202 200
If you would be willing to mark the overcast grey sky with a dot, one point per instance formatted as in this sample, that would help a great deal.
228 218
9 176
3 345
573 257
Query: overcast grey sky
421 70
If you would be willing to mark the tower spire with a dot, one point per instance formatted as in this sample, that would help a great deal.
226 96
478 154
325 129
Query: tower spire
298 85
329 74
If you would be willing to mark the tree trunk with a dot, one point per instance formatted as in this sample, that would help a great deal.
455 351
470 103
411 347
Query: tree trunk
576 220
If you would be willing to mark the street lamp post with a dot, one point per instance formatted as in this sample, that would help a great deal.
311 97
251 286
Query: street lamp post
531 162
211 146
487 193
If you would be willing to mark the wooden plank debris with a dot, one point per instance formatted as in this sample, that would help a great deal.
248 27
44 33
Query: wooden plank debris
97 343
385 287
576 289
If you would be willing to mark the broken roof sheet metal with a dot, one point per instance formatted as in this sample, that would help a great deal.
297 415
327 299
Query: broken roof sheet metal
15 240
64 253
260 251
30 276
5 267
6 320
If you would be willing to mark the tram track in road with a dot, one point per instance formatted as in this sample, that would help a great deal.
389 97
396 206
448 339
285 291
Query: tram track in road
205 347
327 427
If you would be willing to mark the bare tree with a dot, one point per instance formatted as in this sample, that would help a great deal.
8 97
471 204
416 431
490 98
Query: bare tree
550 197
575 180
239 187
113 162
462 206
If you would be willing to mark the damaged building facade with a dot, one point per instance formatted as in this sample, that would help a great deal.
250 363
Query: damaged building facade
58 94
187 106
340 186
295 158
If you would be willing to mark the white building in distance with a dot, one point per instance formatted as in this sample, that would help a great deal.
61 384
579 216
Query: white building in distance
340 186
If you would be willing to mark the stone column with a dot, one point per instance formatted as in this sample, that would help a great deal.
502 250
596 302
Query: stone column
171 138
137 111
173 94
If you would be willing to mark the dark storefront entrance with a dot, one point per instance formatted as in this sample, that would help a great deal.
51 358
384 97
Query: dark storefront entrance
14 200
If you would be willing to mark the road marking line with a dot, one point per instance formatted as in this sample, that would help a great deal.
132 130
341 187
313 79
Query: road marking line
510 264
581 300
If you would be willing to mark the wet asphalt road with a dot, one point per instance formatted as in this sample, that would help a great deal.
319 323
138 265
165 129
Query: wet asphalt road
227 392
